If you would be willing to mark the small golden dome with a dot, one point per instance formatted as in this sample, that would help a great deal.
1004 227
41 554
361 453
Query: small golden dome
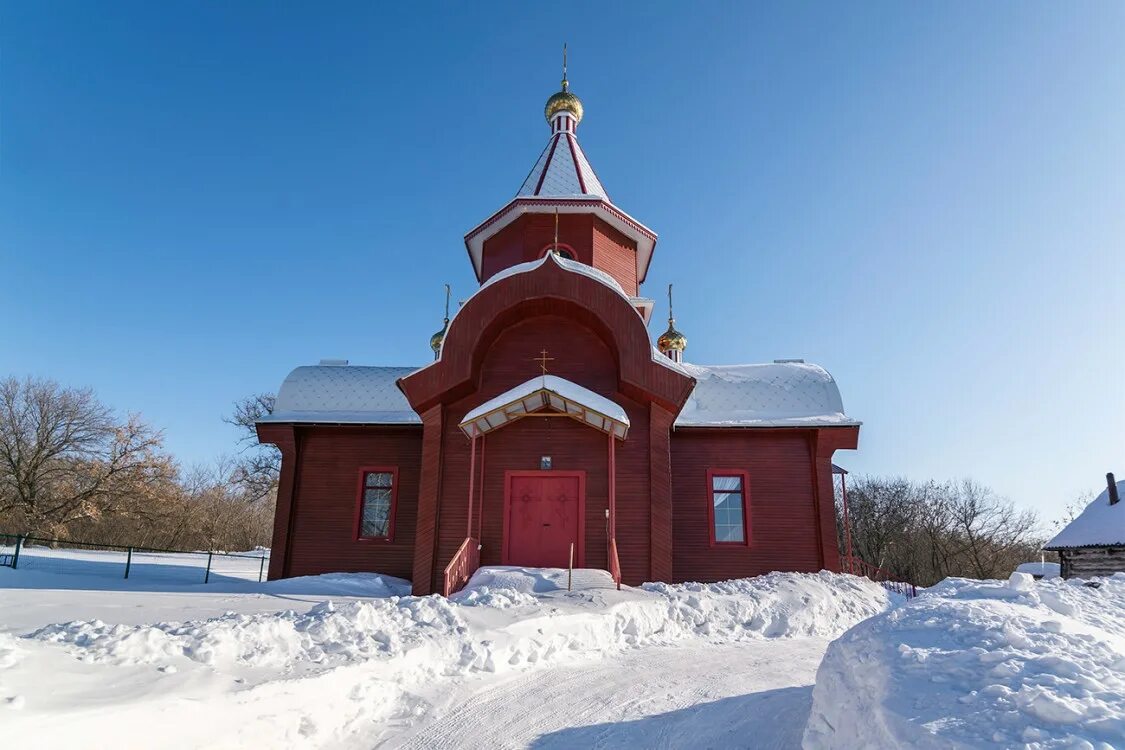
563 101
671 340
437 339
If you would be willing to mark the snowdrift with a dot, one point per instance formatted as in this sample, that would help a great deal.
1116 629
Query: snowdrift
340 672
545 622
980 664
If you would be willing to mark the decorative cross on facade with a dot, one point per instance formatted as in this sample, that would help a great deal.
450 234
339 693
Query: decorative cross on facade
543 359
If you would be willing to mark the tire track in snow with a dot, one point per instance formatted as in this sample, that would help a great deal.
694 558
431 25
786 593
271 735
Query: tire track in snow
750 694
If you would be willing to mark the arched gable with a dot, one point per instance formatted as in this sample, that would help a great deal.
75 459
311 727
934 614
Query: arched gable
548 287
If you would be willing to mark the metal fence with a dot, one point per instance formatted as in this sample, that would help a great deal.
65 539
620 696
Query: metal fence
69 556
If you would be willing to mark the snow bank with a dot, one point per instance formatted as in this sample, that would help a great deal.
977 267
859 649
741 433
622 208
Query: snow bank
1035 664
327 633
340 671
778 605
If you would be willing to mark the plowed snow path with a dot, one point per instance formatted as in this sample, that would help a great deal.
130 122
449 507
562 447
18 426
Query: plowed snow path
751 694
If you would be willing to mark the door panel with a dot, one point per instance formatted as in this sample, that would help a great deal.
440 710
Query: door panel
543 520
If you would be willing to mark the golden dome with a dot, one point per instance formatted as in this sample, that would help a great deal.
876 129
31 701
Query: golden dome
671 339
563 101
437 339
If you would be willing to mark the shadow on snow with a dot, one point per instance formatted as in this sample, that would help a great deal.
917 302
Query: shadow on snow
769 719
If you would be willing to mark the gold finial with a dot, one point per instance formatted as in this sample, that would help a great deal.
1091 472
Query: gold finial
565 84
672 343
563 100
438 338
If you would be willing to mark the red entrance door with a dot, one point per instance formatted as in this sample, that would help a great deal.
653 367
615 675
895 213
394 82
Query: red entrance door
544 518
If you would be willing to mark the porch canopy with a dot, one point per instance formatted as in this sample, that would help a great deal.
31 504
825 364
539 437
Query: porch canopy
543 395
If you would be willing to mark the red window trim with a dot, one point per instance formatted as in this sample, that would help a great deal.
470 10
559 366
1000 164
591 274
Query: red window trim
745 477
561 246
363 472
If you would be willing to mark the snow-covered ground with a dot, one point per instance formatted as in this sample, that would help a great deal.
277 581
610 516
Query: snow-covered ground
154 570
971 664
516 660
342 661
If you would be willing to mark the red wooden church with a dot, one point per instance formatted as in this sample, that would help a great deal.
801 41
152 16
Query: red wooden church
548 424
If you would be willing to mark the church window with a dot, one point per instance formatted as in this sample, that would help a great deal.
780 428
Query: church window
375 516
730 520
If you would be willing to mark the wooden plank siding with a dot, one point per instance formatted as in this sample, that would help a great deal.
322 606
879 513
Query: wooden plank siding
615 254
781 502
284 437
593 241
321 537
429 492
660 493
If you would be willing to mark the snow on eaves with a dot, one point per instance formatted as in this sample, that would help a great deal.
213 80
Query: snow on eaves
1100 525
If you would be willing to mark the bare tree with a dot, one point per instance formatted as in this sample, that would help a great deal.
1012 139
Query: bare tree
65 457
924 532
258 466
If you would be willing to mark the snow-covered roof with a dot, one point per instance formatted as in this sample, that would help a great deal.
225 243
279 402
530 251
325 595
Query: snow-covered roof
785 394
562 171
1100 525
343 394
780 394
544 391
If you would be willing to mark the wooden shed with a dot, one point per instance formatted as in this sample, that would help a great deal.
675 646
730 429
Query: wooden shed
1093 544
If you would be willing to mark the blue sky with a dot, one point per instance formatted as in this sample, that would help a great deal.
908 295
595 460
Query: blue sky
927 199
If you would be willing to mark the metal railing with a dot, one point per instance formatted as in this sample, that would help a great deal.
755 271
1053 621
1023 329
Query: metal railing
75 557
461 567
882 576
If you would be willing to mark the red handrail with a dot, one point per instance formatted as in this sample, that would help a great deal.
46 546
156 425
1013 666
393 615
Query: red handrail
614 563
859 567
461 567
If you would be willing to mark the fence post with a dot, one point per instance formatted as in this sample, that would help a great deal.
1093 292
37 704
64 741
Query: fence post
128 562
16 555
207 575
262 567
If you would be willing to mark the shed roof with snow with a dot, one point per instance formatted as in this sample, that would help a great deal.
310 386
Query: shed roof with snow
1099 525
